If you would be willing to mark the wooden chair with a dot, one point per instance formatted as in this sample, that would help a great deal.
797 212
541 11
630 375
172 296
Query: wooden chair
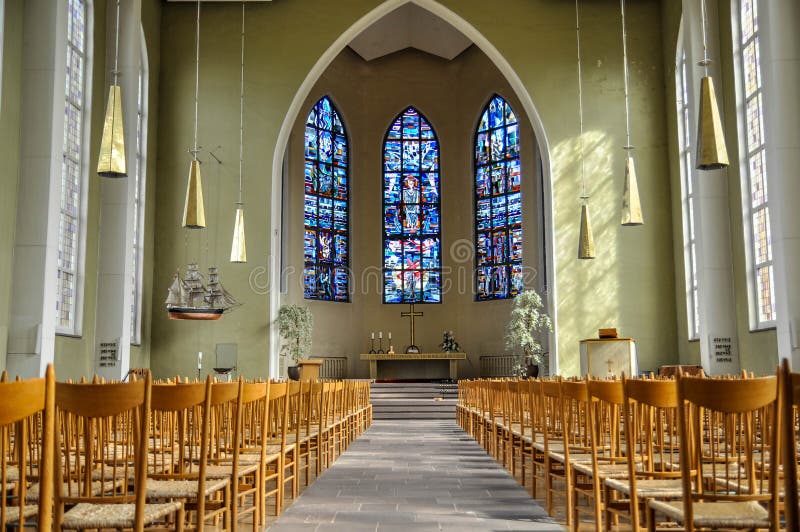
27 428
650 416
274 436
179 449
728 430
790 440
607 457
102 467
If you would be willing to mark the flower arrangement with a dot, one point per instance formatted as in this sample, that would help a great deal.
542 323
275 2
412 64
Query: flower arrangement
295 324
527 321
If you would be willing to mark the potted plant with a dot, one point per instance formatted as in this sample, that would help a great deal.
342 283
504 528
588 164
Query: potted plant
527 321
295 323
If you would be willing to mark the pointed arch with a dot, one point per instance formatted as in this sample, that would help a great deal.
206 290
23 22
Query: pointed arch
326 210
412 236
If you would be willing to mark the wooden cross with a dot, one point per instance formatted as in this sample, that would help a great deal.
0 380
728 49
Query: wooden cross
411 314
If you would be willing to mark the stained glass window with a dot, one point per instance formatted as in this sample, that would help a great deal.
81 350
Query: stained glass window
498 203
687 181
326 239
757 211
412 235
72 168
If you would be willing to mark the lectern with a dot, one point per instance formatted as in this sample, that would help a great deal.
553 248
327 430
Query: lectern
601 357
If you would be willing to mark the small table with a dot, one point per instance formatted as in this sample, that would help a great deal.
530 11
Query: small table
373 359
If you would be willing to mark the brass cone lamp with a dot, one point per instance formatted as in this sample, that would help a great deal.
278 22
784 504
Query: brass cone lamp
239 247
586 240
194 212
238 244
111 162
631 205
712 154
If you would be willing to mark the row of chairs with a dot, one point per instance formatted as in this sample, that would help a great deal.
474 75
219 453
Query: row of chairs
169 455
703 453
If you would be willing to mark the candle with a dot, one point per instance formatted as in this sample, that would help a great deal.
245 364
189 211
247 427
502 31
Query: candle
380 335
390 335
199 360
372 334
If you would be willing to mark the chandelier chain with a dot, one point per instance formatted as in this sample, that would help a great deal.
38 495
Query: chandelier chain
241 117
703 23
116 48
628 145
584 196
196 79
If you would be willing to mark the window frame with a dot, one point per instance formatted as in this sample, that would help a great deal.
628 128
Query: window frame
746 156
75 329
139 199
684 106
475 200
438 204
347 232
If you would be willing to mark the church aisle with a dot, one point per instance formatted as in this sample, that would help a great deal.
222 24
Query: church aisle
422 475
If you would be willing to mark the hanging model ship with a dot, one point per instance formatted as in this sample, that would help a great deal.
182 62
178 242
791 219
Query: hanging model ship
189 299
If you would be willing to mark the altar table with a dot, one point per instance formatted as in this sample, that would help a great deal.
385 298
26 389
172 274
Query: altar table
373 359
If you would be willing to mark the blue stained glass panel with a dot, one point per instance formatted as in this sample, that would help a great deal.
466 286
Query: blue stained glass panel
325 242
498 203
391 220
430 219
412 223
430 187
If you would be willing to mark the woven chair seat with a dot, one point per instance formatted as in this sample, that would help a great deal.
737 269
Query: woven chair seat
73 489
667 488
12 512
556 444
86 515
226 470
604 470
181 489
747 514
574 458
12 473
273 453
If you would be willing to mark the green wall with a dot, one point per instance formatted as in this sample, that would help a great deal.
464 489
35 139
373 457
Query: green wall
631 283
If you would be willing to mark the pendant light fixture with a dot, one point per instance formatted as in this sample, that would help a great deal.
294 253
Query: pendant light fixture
111 162
194 213
712 154
238 246
586 238
631 204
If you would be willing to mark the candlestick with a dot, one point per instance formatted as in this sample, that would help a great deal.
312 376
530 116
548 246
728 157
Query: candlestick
372 334
380 335
380 344
372 345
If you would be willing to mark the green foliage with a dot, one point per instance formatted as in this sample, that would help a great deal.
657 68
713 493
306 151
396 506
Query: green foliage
527 321
295 324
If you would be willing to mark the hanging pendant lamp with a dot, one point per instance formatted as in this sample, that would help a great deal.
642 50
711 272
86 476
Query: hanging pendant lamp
194 212
712 153
111 162
631 203
586 238
238 245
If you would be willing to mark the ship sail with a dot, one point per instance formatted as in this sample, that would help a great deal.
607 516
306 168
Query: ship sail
198 297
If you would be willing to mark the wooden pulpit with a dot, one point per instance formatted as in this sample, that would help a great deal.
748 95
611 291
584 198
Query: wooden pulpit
601 357
309 369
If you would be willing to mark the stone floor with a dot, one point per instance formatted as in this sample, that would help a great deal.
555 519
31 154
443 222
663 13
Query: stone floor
414 475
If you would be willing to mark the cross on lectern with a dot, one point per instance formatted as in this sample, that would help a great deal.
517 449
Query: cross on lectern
411 314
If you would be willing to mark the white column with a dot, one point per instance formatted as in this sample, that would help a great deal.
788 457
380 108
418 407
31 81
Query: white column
780 67
115 267
714 254
31 337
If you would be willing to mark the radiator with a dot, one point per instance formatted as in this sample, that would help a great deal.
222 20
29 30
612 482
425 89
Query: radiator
497 365
333 367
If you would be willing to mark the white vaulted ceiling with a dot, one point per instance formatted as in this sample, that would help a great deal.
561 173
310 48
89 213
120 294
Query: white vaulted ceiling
410 26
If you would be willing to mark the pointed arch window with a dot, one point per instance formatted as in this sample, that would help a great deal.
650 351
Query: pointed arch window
498 203
326 240
412 237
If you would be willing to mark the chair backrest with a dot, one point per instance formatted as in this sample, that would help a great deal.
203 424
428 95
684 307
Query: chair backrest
790 440
103 431
27 424
728 431
277 423
606 398
255 409
551 410
575 416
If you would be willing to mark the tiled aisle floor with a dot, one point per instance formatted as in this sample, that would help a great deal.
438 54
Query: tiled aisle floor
414 475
